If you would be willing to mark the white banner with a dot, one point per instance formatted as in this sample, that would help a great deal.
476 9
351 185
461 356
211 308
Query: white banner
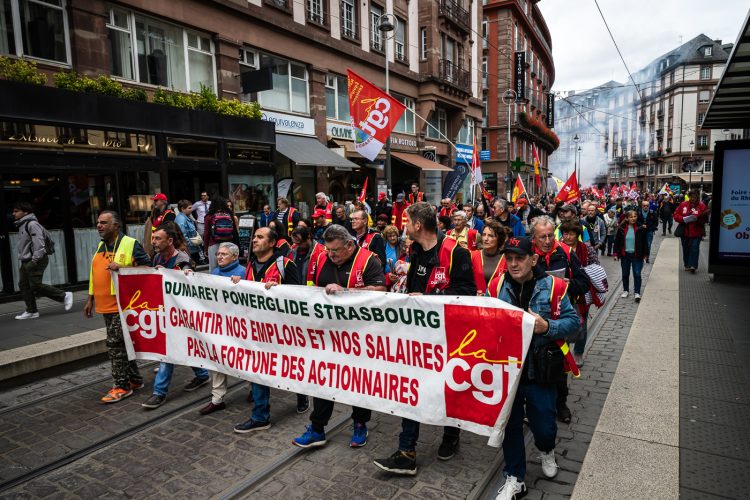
440 360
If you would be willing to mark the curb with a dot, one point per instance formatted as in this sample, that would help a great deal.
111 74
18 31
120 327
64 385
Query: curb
34 357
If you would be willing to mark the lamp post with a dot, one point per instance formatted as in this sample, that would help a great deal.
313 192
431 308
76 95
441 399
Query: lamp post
575 155
690 175
509 97
387 24
578 173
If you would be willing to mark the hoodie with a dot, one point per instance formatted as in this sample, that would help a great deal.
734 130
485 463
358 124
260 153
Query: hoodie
31 243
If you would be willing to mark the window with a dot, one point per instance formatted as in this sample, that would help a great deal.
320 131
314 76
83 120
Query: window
708 166
485 24
35 28
316 12
348 19
405 124
704 96
670 168
423 43
399 39
289 91
484 71
466 132
337 98
438 124
484 143
484 111
706 73
703 141
163 54
707 51
701 117
518 47
376 38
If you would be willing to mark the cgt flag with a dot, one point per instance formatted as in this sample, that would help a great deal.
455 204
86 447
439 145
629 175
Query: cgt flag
363 194
373 113
537 176
569 192
476 167
519 190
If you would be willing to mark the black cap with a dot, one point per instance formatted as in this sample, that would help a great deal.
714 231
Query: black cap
520 246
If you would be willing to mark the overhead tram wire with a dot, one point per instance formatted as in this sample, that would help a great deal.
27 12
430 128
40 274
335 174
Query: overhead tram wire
640 97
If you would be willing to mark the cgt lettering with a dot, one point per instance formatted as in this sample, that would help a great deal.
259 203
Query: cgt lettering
484 377
377 118
148 324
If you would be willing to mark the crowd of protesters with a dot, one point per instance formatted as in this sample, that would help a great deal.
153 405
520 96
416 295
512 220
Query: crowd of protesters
522 253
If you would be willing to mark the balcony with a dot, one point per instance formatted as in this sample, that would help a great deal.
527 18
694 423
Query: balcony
453 11
450 73
659 133
660 113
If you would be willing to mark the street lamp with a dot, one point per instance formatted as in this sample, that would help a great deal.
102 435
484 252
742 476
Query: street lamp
509 97
575 155
578 173
387 25
690 175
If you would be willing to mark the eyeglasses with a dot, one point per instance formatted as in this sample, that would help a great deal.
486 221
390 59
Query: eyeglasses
546 236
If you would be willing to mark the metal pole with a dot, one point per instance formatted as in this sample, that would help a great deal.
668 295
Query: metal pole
388 180
510 172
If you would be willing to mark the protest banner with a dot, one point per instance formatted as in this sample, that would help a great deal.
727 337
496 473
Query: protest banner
441 360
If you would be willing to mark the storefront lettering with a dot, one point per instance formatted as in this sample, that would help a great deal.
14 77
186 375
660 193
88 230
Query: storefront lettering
342 132
400 141
285 122
71 141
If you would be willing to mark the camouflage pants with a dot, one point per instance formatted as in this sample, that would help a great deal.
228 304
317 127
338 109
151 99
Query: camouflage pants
123 370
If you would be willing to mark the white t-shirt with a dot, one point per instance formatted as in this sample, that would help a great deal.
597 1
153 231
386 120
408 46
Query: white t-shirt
200 208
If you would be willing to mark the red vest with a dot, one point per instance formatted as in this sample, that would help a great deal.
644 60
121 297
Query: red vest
477 266
398 215
356 275
312 263
471 238
559 289
157 222
420 197
290 220
272 274
368 239
447 212
329 212
440 277
283 245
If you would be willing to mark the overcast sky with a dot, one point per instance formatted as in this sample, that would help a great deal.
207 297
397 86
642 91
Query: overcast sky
585 56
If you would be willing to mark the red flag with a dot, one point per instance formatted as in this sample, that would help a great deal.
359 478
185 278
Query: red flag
518 190
373 115
363 194
535 159
633 187
613 192
476 166
569 192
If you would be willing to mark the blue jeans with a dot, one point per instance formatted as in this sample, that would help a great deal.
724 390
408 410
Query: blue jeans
164 377
262 408
407 440
540 408
610 243
649 240
626 262
691 249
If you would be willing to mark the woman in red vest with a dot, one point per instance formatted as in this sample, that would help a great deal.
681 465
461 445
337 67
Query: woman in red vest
488 264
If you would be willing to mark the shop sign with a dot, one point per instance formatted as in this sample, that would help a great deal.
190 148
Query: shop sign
290 124
339 131
404 142
484 154
464 152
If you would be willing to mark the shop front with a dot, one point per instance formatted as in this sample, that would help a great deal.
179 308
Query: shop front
346 183
72 155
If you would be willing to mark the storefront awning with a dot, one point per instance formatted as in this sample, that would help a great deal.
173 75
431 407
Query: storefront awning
308 151
697 176
420 162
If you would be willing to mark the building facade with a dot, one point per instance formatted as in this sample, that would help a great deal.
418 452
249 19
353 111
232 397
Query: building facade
306 47
511 26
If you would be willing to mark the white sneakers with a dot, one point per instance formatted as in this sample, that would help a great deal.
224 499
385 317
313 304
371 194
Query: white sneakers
624 294
512 489
28 315
68 301
549 465
637 297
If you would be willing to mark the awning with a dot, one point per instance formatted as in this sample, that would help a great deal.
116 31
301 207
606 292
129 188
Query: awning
707 177
420 161
730 106
308 151
349 147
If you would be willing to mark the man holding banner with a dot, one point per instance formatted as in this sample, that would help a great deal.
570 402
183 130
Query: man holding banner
343 266
439 265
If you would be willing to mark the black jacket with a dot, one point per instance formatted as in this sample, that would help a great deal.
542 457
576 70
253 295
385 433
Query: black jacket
641 245
578 279
461 276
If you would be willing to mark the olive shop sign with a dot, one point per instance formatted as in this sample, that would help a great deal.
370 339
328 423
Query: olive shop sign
439 360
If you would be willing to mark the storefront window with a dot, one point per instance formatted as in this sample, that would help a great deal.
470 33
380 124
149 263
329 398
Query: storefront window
44 29
249 193
405 124
189 148
289 91
337 98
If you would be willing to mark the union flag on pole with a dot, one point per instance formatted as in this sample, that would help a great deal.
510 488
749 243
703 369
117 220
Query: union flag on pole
363 194
476 167
569 192
373 115
535 159
519 190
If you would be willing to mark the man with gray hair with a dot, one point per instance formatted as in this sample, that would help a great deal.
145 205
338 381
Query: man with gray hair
322 203
501 214
465 236
344 265
446 208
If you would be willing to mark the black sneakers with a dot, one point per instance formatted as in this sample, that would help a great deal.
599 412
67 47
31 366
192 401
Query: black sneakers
563 413
154 402
195 384
401 462
303 403
448 448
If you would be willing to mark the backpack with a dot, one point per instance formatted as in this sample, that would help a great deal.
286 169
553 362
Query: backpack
49 244
223 228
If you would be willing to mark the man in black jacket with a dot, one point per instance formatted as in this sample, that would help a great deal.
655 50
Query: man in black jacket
430 275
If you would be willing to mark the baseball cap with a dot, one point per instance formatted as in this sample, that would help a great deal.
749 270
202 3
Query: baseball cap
520 246
381 196
568 208
400 197
160 196
318 213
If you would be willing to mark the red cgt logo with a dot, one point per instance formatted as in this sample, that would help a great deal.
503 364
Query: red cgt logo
142 304
484 348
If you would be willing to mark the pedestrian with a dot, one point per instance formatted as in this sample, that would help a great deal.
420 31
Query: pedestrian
447 207
465 236
367 237
472 221
281 243
381 222
392 250
322 203
596 227
344 265
321 224
415 195
34 248
267 265
570 212
383 208
501 214
488 263
525 285
398 216
228 265
611 223
305 253
266 216
631 248
189 229
692 216
439 266
648 218
160 213
199 211
665 212
287 217
115 250
166 240
219 227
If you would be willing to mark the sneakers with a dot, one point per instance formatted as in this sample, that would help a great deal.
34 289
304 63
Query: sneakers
251 425
448 448
303 403
359 437
624 294
68 301
116 394
28 315
563 414
401 462
195 384
637 297
154 402
549 466
211 407
310 438
512 489
135 385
